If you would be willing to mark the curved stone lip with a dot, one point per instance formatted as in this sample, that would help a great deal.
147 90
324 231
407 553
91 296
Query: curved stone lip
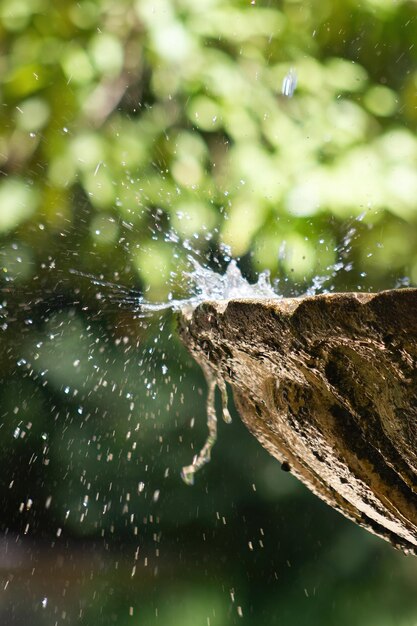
289 305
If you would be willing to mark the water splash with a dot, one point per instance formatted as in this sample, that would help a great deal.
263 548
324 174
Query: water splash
207 285
204 285
213 286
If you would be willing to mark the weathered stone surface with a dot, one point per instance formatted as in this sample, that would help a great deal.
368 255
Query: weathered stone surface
328 385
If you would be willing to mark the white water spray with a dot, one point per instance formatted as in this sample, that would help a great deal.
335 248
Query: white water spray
208 285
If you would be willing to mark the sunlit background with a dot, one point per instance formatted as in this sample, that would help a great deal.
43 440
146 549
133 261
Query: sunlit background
133 135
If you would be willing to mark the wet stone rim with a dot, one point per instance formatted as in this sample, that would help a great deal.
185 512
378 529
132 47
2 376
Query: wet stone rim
328 385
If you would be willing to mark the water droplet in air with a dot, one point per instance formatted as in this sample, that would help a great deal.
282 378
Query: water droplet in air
289 83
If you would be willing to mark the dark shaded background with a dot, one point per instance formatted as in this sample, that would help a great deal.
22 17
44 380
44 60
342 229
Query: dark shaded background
131 135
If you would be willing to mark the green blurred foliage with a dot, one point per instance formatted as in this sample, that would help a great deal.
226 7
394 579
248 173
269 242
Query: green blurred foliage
132 132
177 106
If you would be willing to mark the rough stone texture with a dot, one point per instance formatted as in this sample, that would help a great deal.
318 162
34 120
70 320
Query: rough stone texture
328 385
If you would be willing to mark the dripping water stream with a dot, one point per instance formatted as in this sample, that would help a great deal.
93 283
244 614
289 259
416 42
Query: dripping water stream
203 457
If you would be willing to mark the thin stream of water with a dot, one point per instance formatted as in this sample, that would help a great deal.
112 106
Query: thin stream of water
203 457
